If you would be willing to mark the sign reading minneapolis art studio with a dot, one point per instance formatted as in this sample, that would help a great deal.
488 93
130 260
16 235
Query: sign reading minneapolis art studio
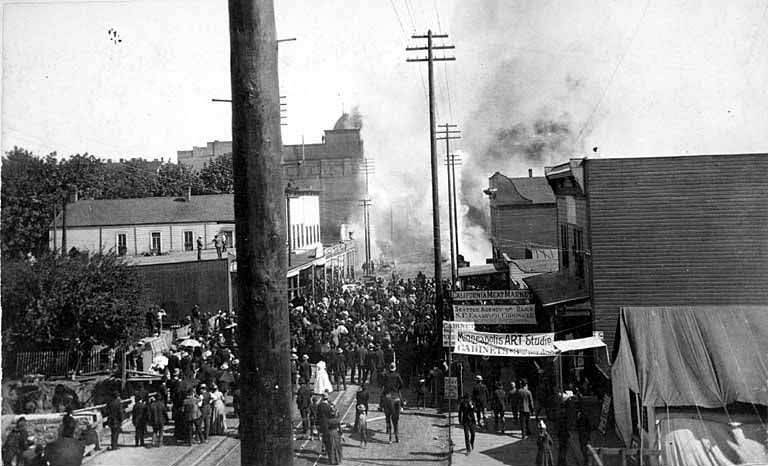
487 295
501 314
531 345
450 328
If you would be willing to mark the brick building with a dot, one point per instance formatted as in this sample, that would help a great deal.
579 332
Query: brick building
331 167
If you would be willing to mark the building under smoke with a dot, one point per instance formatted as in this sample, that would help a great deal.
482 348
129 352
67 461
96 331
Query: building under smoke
332 167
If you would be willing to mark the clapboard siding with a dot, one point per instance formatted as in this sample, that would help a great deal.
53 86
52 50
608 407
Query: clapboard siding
677 231
516 225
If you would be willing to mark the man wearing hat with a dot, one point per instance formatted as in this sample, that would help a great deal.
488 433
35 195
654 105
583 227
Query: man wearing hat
362 356
294 371
304 403
324 413
339 369
467 421
158 418
305 369
392 383
206 410
370 364
480 397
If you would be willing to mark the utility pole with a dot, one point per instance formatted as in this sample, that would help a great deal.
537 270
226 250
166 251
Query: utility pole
266 434
430 59
447 134
367 167
454 160
366 204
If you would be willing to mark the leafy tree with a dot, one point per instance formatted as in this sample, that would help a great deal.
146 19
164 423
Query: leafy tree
216 176
28 198
173 179
76 301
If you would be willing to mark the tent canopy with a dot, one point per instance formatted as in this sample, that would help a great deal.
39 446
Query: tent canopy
706 356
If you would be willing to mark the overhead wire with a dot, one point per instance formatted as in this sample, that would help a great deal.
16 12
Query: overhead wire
620 61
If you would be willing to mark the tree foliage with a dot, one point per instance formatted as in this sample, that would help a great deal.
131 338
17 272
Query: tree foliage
74 301
34 188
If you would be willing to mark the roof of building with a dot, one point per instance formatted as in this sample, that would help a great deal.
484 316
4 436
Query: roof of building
150 210
536 265
535 189
556 287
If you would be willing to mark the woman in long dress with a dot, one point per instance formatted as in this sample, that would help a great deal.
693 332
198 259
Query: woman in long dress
322 380
219 425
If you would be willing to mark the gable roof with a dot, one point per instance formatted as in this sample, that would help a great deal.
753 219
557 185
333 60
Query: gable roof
150 210
534 189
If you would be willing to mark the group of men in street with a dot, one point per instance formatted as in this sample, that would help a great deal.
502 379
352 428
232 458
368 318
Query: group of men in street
472 409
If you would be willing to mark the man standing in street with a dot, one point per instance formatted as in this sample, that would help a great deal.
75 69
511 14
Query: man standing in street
513 399
304 403
206 410
192 417
139 417
158 417
467 421
199 248
114 411
324 413
339 370
526 407
305 369
499 406
362 356
361 399
480 397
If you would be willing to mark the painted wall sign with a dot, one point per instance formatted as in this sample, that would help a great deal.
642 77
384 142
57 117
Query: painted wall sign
501 314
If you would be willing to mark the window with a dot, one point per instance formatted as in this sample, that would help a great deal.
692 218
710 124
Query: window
578 250
122 244
189 241
155 246
564 250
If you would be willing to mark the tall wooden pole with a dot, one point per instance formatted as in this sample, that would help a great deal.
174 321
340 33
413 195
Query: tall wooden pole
263 331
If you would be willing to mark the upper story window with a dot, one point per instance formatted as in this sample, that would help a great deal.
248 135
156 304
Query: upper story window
578 251
570 209
564 247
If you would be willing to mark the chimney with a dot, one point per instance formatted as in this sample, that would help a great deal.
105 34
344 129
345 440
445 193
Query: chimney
530 173
189 193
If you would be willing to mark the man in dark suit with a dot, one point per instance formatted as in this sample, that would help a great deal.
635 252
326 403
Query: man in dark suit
362 398
114 413
66 450
139 416
324 413
305 369
339 368
480 397
467 421
158 418
525 399
304 403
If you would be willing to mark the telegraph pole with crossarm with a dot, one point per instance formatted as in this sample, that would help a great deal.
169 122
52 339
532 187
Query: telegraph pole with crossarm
430 59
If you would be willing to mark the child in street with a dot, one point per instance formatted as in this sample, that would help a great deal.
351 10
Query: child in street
362 424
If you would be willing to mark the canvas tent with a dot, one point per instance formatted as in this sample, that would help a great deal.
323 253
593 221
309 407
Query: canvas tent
686 360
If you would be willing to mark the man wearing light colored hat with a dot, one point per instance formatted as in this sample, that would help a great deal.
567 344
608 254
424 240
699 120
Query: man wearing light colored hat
480 398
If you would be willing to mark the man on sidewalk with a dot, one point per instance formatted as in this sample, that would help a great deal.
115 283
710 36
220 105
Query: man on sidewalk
192 417
480 398
526 407
304 403
467 421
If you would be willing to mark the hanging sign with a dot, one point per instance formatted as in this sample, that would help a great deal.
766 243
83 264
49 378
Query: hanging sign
449 331
505 344
487 295
451 388
501 314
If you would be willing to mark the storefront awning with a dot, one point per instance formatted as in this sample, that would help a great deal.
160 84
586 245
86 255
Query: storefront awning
556 288
578 344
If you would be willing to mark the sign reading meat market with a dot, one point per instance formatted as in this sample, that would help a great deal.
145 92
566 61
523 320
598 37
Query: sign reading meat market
488 295
501 314
530 345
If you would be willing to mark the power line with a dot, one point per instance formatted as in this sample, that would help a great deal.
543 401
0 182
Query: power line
397 15
615 70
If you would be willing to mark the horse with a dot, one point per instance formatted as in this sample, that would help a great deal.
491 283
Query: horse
392 405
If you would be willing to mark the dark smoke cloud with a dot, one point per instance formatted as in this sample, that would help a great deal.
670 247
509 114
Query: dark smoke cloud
531 138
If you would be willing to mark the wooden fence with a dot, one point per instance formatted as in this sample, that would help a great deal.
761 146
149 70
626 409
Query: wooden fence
60 363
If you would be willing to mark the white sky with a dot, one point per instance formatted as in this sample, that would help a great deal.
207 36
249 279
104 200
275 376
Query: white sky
682 77
632 77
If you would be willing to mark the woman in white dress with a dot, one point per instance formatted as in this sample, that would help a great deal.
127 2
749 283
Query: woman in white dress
322 380
219 426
